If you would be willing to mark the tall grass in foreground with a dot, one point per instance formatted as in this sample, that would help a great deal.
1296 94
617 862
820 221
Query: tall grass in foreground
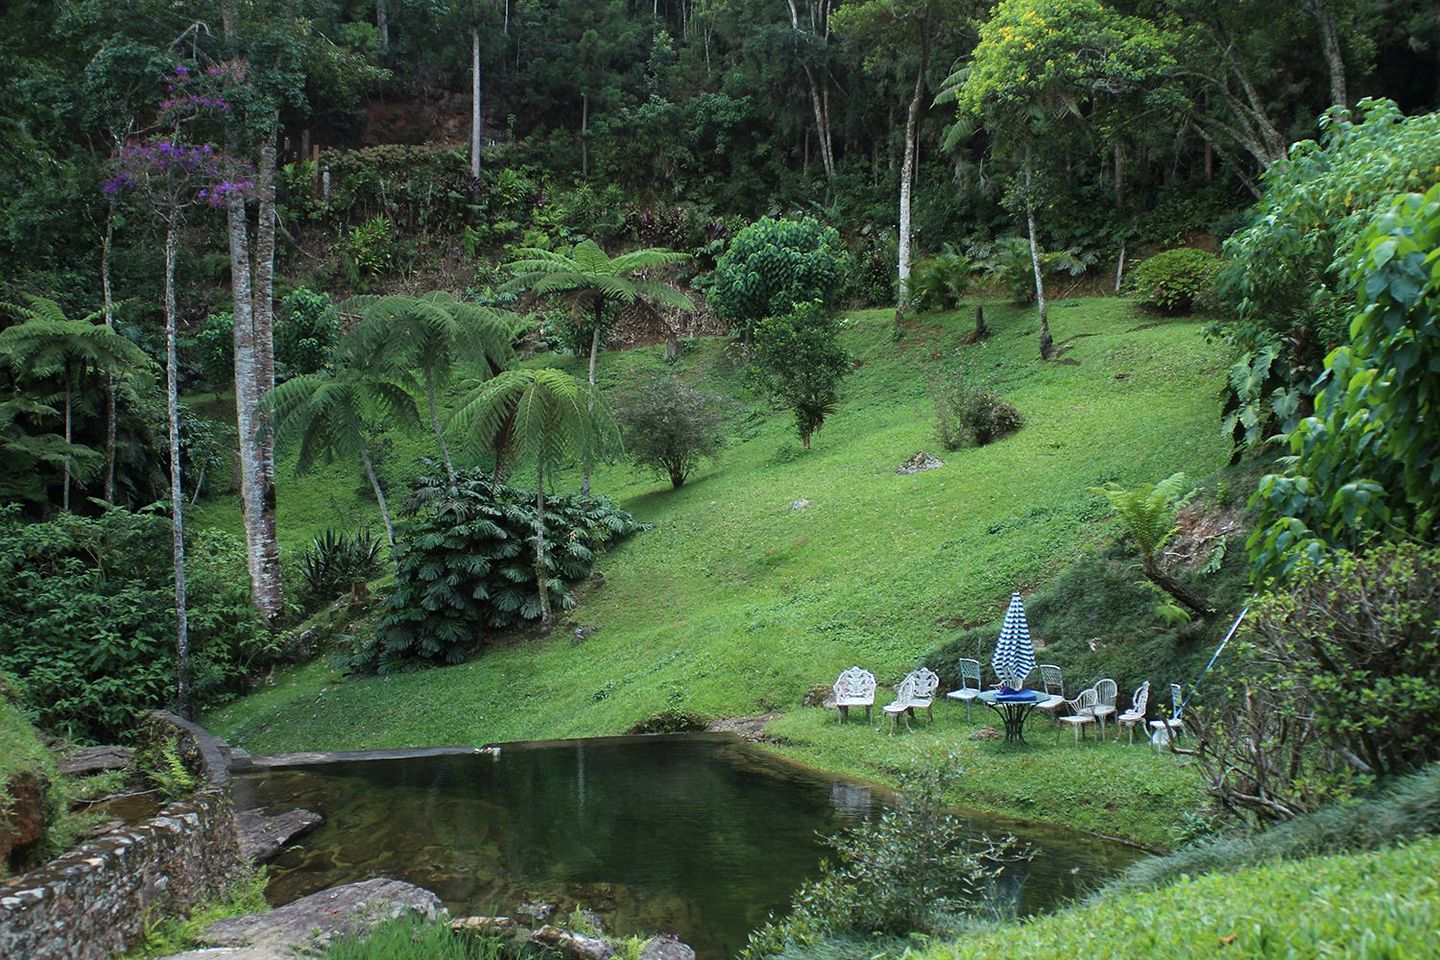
1408 809
412 938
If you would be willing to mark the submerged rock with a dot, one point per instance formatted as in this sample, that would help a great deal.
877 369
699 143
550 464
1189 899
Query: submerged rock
262 837
666 946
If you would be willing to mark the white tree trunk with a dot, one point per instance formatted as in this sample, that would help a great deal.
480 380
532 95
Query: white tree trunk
907 177
440 444
1330 47
546 617
1042 306
108 305
379 497
69 418
177 494
476 124
382 23
264 319
594 355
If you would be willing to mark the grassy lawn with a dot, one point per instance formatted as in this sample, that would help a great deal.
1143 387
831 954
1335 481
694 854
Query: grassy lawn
1371 905
735 603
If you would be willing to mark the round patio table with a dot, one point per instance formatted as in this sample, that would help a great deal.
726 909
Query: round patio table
1012 712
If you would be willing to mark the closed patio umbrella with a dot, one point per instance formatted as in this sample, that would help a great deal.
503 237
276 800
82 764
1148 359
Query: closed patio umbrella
1014 653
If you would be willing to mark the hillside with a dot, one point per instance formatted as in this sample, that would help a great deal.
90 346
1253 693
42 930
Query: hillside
735 603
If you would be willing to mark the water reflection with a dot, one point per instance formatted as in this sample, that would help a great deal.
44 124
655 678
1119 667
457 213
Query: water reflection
702 835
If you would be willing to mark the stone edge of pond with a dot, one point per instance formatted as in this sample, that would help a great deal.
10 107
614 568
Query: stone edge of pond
242 761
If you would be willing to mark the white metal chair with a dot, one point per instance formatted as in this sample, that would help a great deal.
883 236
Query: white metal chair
1105 694
969 685
1054 685
1161 731
1135 716
1082 712
854 687
904 702
927 681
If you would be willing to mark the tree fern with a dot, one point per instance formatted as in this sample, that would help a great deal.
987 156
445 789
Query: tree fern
1148 513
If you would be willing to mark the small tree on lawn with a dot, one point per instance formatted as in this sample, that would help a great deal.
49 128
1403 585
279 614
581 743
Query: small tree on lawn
591 279
771 267
800 364
669 426
551 418
1149 512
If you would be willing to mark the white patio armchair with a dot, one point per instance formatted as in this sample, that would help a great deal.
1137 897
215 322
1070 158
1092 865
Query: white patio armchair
1163 730
1135 716
1082 712
969 685
1105 694
1054 685
854 687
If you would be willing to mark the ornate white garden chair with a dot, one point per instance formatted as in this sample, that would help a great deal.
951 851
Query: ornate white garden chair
927 681
904 703
1082 712
1162 730
1054 685
969 685
1135 716
1105 694
854 687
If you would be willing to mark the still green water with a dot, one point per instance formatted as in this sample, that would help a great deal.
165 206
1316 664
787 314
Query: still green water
700 835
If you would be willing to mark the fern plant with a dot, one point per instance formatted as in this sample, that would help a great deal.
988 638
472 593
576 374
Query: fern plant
1148 513
336 562
463 571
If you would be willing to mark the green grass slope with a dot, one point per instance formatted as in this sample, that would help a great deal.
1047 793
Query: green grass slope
1373 906
735 603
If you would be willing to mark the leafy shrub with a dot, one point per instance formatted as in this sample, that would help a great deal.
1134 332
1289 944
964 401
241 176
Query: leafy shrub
915 869
465 566
669 721
337 563
215 344
773 266
305 333
161 764
87 618
1006 264
799 362
940 282
1355 642
367 251
670 427
1175 281
870 275
966 414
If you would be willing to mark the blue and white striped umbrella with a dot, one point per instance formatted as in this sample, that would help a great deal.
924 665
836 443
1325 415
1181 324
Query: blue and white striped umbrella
1014 653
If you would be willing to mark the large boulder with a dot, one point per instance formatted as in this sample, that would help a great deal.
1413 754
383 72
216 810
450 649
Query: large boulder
309 925
24 805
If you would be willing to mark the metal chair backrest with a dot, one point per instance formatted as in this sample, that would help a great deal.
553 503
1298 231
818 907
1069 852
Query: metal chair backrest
1050 677
1141 700
926 683
969 673
1105 693
854 682
1085 702
905 691
1177 699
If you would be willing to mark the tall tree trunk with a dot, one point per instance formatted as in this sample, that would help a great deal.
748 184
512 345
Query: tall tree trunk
907 177
476 124
379 496
108 304
264 319
819 94
1042 306
546 617
177 494
594 356
1330 47
69 419
585 136
382 23
1119 177
441 445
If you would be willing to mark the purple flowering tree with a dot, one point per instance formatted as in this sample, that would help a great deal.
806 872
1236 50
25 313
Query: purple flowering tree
173 176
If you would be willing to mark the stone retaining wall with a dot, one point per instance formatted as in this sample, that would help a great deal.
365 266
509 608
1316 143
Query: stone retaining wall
93 902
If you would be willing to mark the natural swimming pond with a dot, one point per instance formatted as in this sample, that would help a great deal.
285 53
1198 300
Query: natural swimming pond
700 835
